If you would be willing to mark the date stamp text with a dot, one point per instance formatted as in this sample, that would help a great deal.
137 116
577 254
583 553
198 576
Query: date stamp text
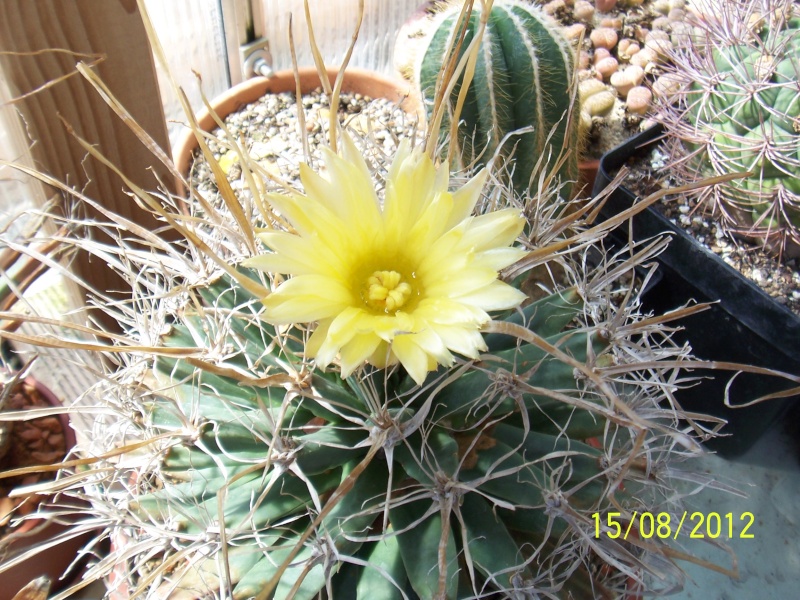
664 525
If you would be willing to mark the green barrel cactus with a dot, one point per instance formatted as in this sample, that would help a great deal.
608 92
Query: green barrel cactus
482 482
740 112
350 423
523 82
372 488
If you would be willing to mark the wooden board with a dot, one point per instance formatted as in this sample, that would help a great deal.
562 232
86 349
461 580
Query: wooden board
113 29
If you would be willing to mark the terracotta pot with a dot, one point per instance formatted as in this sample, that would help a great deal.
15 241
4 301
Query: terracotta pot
587 172
358 81
55 561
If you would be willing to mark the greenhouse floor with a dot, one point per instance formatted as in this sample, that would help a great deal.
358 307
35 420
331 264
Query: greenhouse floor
769 563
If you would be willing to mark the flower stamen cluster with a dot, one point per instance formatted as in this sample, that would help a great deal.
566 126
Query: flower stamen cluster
386 291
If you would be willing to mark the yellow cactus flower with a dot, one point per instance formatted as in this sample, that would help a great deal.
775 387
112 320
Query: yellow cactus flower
408 278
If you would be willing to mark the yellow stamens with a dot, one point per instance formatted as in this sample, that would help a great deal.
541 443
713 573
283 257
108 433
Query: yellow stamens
386 291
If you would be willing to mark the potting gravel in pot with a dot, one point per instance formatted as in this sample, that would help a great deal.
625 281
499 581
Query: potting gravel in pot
262 113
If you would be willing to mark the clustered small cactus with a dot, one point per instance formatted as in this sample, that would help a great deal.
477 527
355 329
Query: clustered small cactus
521 98
739 111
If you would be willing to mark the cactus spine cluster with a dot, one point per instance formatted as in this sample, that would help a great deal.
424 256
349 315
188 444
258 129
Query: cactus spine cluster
740 111
523 80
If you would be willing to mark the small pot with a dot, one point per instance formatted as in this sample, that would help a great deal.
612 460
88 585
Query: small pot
745 325
55 561
587 174
358 81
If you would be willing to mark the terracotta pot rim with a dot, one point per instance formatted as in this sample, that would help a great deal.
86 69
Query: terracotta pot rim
370 83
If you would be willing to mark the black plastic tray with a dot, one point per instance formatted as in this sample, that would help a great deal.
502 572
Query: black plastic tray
745 325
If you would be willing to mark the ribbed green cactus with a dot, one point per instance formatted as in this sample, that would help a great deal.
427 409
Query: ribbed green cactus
524 79
741 112
474 484
435 452
322 440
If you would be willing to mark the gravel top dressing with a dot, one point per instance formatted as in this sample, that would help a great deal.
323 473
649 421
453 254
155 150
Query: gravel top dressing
779 280
270 131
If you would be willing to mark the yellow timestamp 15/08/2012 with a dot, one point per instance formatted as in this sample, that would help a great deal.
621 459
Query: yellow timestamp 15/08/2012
664 525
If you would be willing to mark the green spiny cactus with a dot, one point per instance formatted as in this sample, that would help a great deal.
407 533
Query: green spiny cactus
415 476
740 112
256 471
523 81
377 488
278 454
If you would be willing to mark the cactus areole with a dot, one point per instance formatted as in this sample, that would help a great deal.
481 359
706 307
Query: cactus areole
523 80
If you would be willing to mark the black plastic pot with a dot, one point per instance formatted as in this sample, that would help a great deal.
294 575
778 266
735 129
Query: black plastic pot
744 326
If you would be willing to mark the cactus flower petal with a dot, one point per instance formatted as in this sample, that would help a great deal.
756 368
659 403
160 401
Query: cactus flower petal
408 278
